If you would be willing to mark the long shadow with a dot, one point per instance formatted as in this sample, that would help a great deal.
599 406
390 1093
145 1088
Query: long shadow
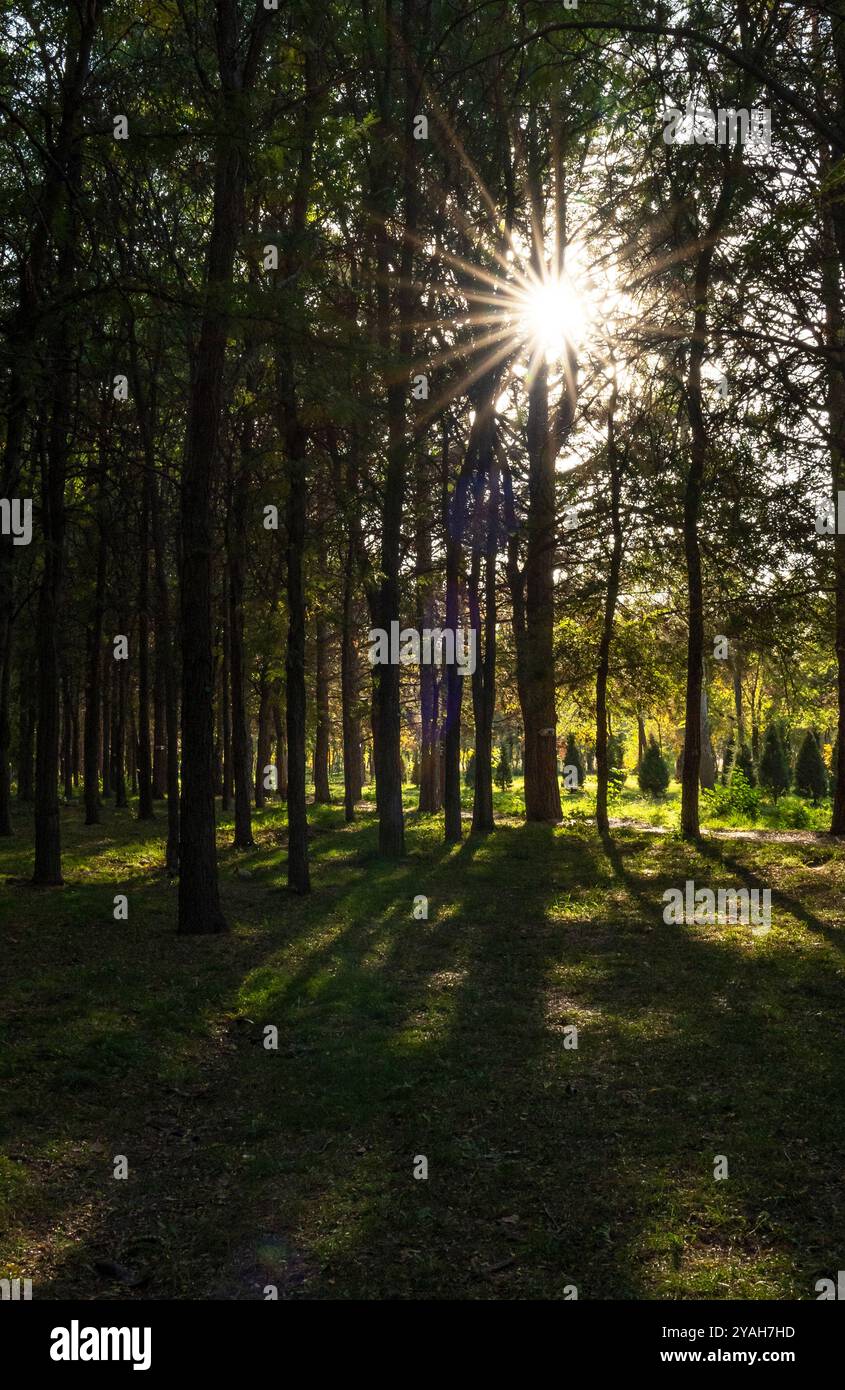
547 1166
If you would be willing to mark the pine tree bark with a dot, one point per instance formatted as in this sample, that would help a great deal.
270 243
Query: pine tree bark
430 798
5 738
119 733
94 666
394 263
349 691
105 748
691 769
484 676
199 895
299 879
26 725
833 257
281 750
453 680
295 446
146 810
534 632
262 760
322 788
167 722
226 700
241 743
67 738
48 854
610 600
159 735
164 657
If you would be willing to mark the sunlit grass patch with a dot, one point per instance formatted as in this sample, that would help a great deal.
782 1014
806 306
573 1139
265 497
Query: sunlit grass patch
444 1036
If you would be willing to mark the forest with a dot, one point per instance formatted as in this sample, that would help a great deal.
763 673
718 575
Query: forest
422 649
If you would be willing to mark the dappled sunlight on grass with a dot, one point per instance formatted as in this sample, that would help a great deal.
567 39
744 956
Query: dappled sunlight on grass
445 1037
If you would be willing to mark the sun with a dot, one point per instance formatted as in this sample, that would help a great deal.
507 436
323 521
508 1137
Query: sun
551 316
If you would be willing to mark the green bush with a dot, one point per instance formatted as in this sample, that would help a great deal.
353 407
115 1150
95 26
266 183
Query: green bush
469 771
738 798
744 763
774 765
653 775
574 758
810 771
504 773
728 759
616 751
616 779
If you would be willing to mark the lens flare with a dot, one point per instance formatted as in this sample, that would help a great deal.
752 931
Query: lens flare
552 316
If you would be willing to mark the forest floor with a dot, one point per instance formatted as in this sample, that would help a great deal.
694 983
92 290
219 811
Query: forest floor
547 1166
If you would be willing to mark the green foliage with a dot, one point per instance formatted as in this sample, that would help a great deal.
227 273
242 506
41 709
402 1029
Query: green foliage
616 751
654 775
616 774
728 759
810 772
736 799
774 763
504 772
469 771
744 763
574 758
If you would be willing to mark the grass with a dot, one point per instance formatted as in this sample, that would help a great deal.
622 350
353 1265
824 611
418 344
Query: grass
548 1166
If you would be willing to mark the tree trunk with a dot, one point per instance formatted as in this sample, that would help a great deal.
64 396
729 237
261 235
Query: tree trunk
737 687
5 738
484 676
48 854
262 761
146 810
322 789
610 598
430 798
299 878
26 726
692 553
199 897
164 656
394 264
74 710
67 738
832 289
535 646
241 743
159 736
349 692
454 683
105 748
707 771
281 750
294 439
94 666
166 728
225 701
119 734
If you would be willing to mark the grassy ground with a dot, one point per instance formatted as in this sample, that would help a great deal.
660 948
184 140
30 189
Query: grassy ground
789 813
397 1037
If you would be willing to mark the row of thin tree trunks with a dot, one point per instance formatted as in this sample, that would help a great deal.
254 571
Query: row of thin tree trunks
100 730
532 589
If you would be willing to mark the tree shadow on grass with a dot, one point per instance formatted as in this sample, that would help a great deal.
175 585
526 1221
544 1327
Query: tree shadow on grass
548 1166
